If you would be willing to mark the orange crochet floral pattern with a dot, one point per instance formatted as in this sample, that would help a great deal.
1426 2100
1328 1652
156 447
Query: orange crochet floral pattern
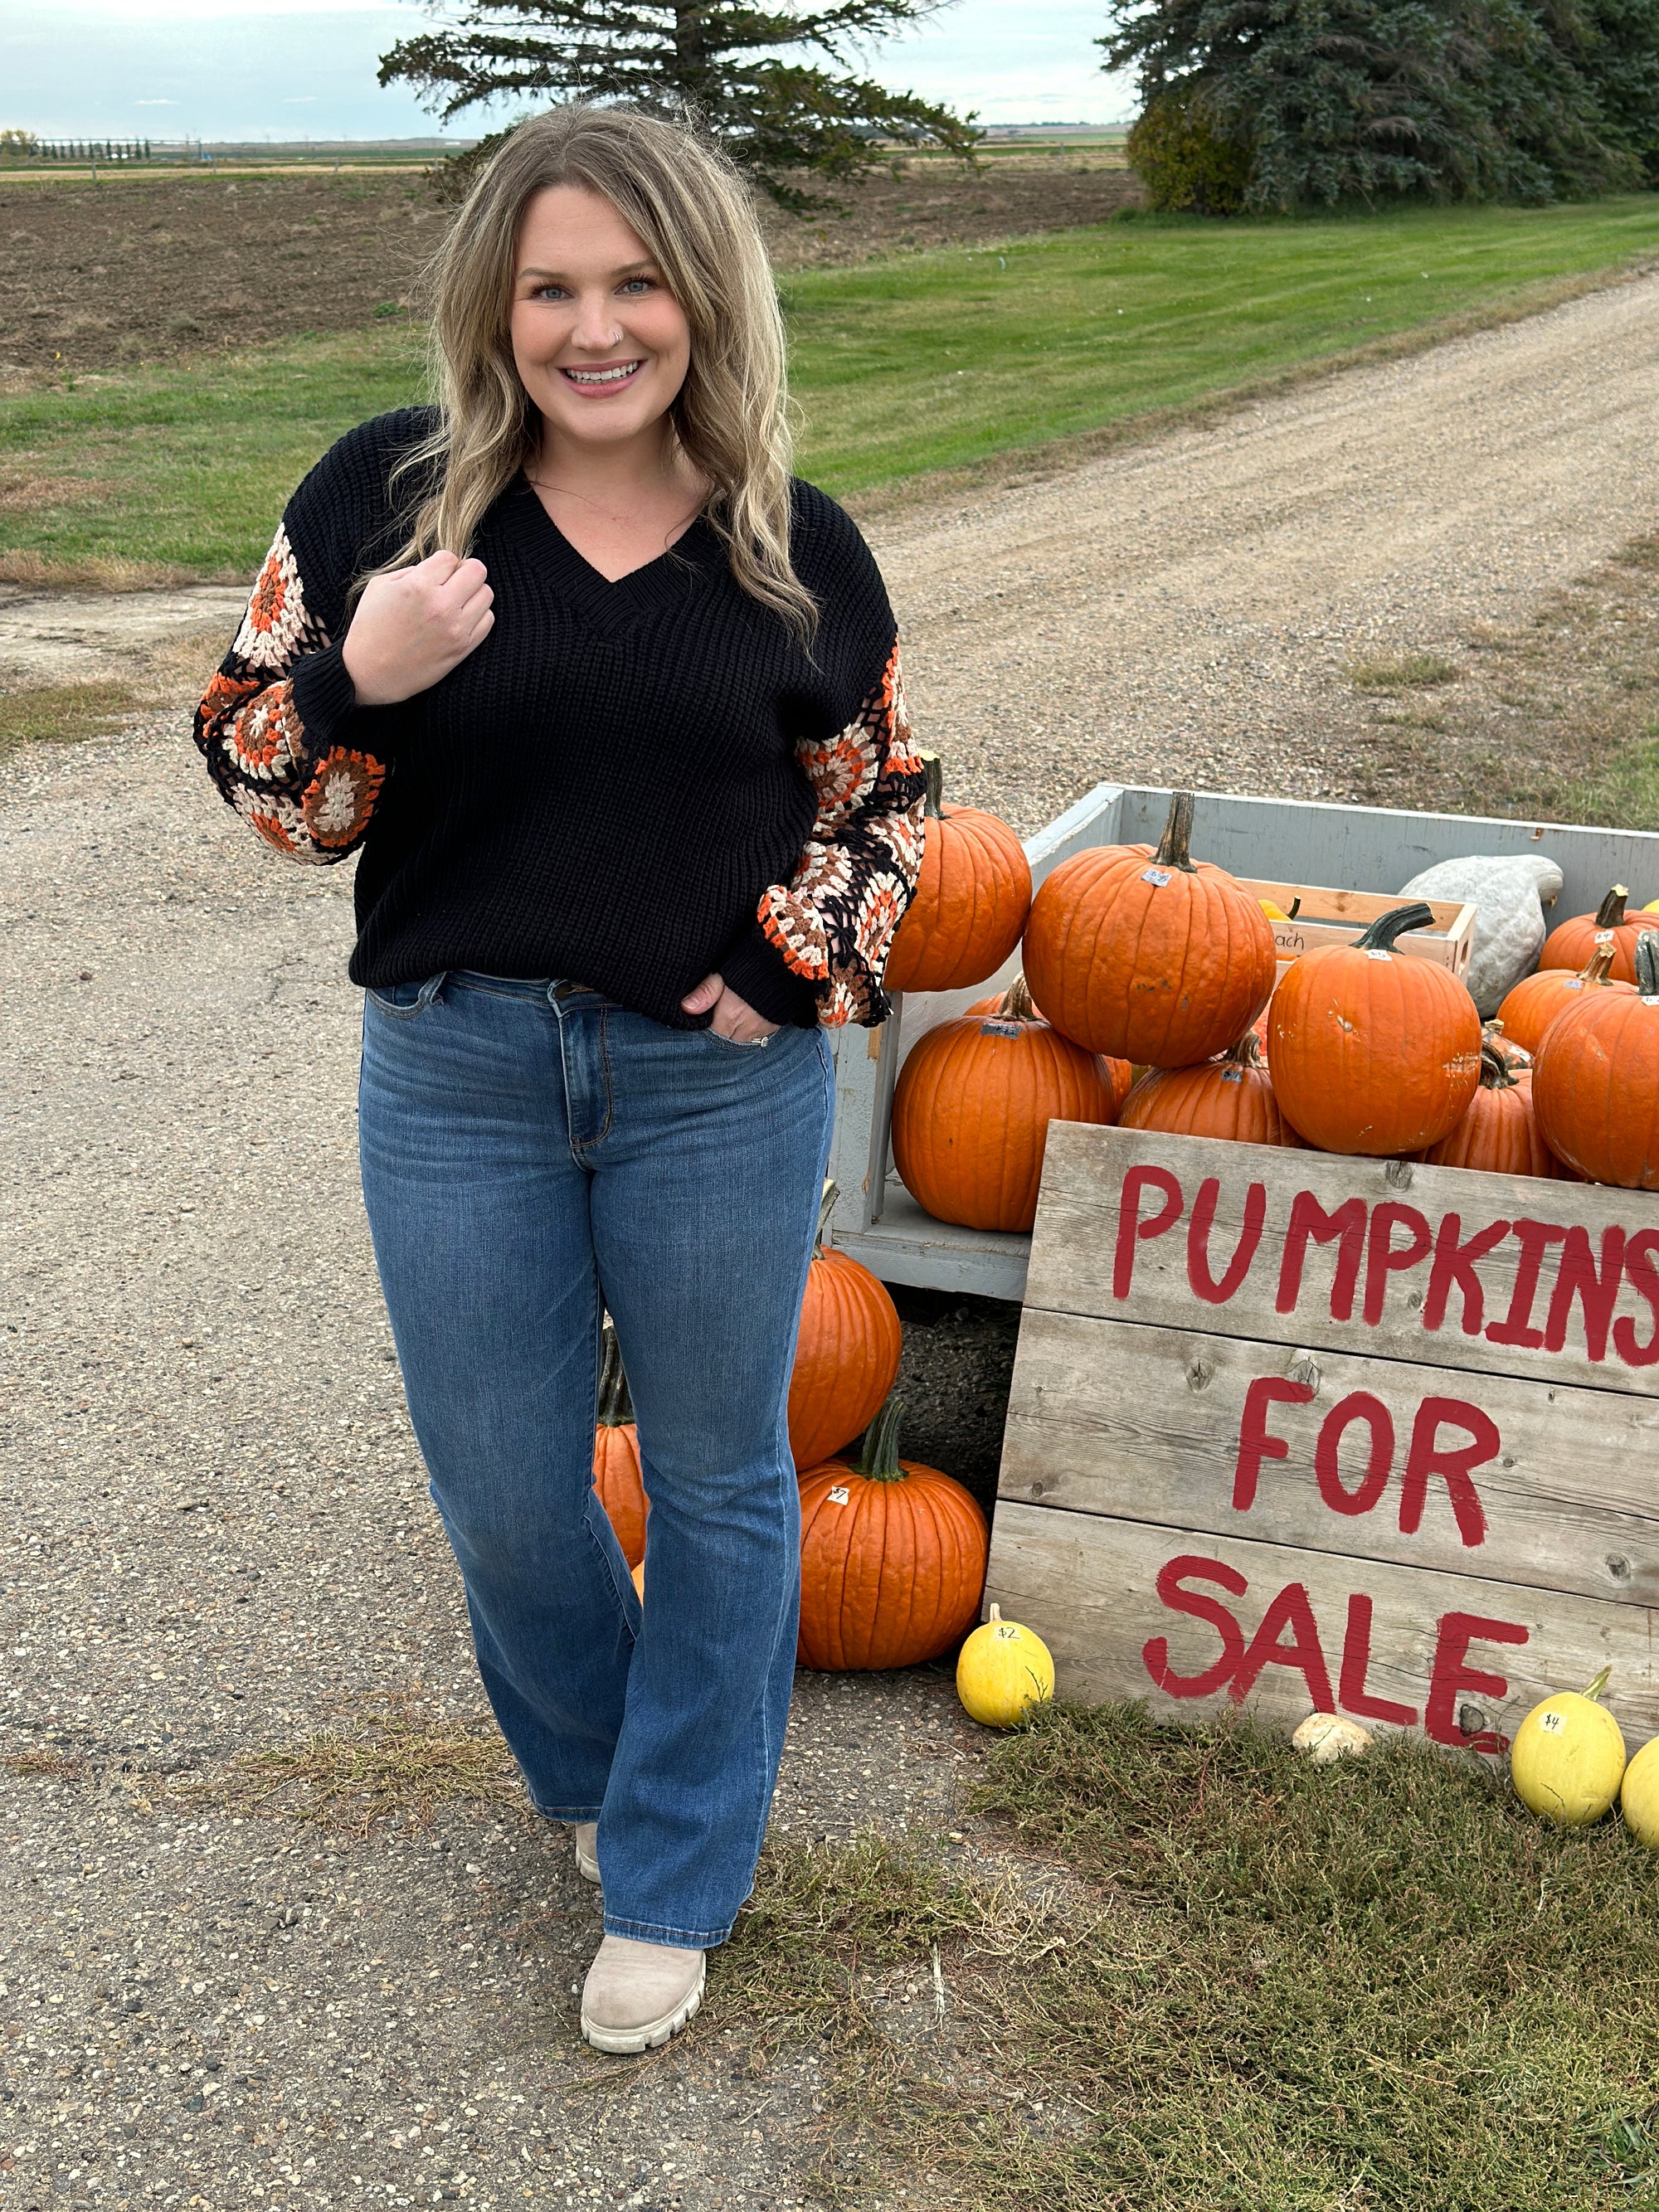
308 805
833 922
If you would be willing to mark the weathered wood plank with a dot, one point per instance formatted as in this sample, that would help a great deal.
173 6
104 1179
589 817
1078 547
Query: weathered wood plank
1377 848
1159 1425
1089 1586
1164 1229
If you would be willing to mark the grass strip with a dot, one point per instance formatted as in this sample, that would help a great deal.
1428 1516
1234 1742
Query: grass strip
902 368
1258 1986
186 469
944 359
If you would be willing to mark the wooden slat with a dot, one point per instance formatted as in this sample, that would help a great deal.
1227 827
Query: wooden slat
1377 848
907 1246
1075 1244
1087 1585
1145 1424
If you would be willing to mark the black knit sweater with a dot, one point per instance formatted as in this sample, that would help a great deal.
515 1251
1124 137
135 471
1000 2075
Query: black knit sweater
628 784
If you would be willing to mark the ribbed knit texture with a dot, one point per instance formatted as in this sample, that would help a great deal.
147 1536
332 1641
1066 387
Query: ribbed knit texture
628 784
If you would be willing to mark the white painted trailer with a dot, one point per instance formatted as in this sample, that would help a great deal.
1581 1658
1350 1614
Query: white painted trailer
1364 849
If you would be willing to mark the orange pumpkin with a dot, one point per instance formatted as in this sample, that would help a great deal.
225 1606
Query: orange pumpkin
1535 1001
1233 1096
847 1355
1119 1073
1373 1051
970 900
617 1474
1571 943
1499 1133
972 1108
1151 958
1596 1081
892 1558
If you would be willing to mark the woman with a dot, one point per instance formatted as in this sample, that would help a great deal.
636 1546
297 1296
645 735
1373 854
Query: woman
610 707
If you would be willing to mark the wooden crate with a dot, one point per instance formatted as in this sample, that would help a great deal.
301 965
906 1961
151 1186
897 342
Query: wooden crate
1325 916
1371 847
1307 1432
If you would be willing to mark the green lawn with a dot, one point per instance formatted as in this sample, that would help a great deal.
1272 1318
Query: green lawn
919 362
1228 1981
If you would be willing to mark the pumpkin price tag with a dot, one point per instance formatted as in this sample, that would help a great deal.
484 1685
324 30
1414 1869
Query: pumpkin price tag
999 1028
1371 953
1551 1723
840 1494
1155 876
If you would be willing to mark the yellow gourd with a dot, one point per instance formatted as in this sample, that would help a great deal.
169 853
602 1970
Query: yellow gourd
1652 907
1002 1669
1568 1757
1273 913
1638 1795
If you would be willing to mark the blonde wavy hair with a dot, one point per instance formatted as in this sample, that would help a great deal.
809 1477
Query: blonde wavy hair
691 208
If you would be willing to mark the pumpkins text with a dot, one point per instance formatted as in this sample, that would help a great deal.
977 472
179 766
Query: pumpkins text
1561 1282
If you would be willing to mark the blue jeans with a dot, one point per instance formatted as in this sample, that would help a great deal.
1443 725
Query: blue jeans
530 1150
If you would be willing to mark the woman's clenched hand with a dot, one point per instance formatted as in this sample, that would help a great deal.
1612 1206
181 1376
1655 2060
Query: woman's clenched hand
412 627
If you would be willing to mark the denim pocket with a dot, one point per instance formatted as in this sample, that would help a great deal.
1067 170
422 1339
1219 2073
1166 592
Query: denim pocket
402 1001
752 1045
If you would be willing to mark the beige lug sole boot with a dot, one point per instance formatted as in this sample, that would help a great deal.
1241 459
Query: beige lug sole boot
638 1995
586 1833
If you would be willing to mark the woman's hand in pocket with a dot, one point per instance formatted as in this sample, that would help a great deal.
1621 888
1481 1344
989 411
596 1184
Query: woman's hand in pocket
412 627
733 1017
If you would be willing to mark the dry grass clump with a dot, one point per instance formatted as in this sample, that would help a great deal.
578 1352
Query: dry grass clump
1403 671
357 1779
170 676
90 572
1555 718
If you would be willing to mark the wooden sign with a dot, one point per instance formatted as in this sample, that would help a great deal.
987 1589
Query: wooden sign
1319 1433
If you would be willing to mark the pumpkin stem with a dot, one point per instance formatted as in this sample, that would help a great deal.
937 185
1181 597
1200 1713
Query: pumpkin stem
1015 1004
1380 937
1647 963
879 1460
826 1208
616 1408
1175 850
1593 1689
933 777
1611 912
1599 966
995 1612
1497 1072
1247 1053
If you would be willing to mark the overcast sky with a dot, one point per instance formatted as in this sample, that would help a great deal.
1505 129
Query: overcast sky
295 69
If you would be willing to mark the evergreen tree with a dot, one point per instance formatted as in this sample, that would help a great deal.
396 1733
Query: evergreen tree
1621 59
1339 100
719 59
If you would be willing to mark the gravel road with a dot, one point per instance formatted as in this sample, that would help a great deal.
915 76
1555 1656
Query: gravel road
216 1534
1184 610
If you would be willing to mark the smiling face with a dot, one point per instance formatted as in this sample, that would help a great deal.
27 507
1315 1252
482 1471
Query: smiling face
601 344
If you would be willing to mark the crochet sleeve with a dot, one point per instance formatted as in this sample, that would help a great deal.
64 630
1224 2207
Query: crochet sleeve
266 723
831 925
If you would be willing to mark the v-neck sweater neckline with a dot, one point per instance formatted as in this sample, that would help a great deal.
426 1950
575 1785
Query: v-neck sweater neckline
608 604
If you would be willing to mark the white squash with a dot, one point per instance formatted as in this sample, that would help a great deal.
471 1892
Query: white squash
1508 896
1325 1737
